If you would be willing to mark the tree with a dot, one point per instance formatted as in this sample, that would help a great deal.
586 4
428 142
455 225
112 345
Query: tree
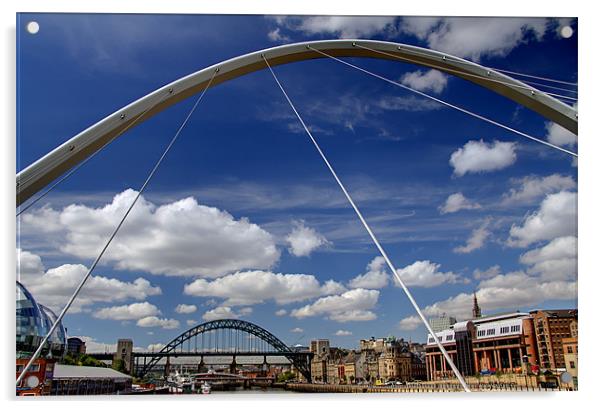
286 376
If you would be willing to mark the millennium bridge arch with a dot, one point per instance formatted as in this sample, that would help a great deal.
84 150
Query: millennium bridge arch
77 149
226 337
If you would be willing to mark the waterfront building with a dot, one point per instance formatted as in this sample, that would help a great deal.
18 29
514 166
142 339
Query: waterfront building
551 326
87 380
442 322
76 346
319 346
485 345
570 352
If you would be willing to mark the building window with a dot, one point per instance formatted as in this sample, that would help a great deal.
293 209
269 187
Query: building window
569 349
491 331
449 337
572 364
504 330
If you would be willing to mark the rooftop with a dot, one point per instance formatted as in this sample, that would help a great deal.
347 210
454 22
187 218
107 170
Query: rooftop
75 371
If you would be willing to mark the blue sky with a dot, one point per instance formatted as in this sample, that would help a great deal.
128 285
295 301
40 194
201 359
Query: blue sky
243 204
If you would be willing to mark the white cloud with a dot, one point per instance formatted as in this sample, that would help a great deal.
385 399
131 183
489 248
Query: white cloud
191 323
431 80
297 330
410 323
182 238
54 287
225 312
557 260
185 309
341 26
475 37
127 312
531 188
456 202
304 240
343 333
155 347
506 292
477 239
376 275
276 36
353 305
281 312
425 274
254 287
558 135
151 322
480 157
410 103
489 273
556 217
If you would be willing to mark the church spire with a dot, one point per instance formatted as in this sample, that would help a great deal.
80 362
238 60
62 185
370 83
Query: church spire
476 310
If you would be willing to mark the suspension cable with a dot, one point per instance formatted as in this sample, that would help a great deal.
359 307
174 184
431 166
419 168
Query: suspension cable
466 62
536 77
79 165
106 246
399 57
372 236
450 105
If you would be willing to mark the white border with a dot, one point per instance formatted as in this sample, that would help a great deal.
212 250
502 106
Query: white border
590 172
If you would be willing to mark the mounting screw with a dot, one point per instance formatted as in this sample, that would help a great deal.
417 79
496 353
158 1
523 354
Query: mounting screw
71 147
533 93
307 46
18 184
444 57
122 116
262 55
399 47
353 44
170 90
489 73
576 115
217 69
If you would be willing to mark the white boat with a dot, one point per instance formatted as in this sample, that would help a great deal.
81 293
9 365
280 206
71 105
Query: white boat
206 388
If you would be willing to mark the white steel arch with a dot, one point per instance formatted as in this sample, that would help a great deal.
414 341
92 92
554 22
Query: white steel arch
77 149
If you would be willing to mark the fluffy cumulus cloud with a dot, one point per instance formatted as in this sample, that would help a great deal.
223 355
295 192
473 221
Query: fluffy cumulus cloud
281 312
531 188
557 260
376 275
506 292
558 135
556 217
225 312
182 238
343 333
127 312
185 308
488 273
480 157
254 287
153 321
353 305
304 240
297 330
54 286
410 323
340 26
477 239
456 202
426 274
475 37
431 80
